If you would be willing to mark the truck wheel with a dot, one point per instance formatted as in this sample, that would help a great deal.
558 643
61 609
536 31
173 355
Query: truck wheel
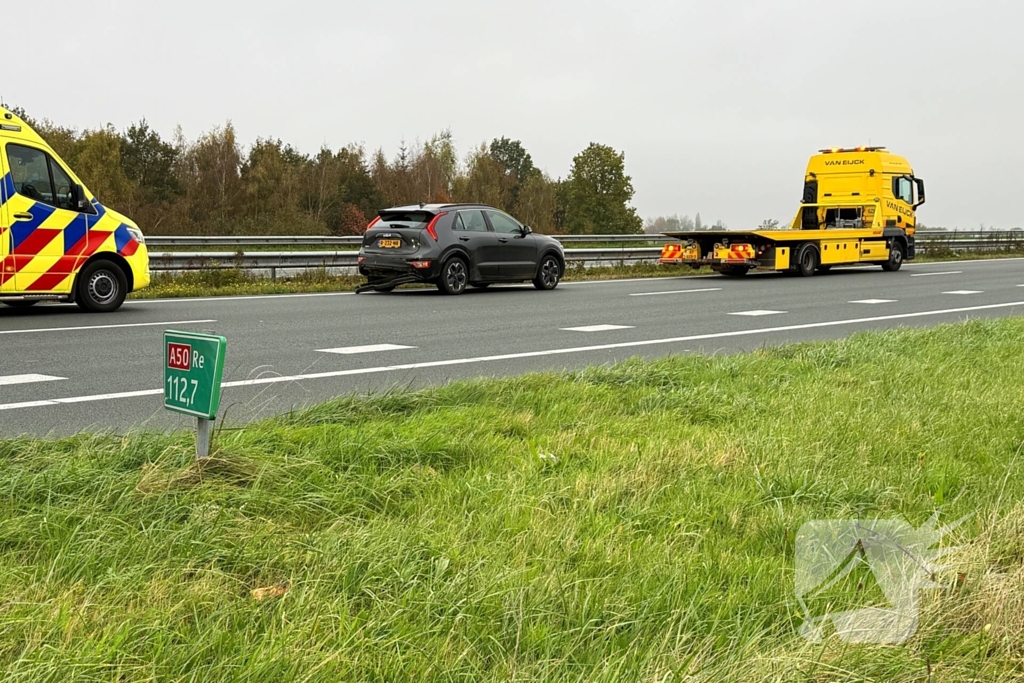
807 260
101 287
895 261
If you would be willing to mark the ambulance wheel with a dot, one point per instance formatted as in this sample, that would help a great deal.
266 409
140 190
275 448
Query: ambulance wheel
101 287
807 260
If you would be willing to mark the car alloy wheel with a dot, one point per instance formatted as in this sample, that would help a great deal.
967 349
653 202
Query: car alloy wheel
549 274
455 277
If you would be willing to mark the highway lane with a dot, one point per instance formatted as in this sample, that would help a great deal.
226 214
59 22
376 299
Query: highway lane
62 371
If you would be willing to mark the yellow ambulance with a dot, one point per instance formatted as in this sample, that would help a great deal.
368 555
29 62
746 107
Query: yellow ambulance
57 241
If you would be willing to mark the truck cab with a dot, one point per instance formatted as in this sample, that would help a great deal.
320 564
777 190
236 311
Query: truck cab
851 188
57 241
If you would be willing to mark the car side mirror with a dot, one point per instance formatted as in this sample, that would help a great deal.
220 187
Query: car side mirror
527 230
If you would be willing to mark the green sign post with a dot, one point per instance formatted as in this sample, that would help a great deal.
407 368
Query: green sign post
193 370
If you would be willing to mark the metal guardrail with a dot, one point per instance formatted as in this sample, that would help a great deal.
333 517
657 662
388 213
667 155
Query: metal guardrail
923 236
355 241
274 260
927 240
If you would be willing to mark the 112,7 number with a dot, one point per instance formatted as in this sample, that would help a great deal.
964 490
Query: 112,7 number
179 390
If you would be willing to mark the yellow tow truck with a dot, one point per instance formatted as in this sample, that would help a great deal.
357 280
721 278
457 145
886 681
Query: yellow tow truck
859 206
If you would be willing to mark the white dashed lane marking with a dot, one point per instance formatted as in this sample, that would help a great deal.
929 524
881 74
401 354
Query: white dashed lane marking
680 291
964 292
372 348
758 314
950 272
11 380
872 302
597 328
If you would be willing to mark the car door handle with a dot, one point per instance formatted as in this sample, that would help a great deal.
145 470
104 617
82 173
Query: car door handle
23 216
463 239
503 240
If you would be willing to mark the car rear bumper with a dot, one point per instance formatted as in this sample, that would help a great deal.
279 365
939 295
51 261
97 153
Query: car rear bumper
380 269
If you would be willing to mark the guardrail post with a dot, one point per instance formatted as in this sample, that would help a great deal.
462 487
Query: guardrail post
273 274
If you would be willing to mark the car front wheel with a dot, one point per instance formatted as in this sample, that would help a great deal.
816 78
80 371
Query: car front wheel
454 276
548 274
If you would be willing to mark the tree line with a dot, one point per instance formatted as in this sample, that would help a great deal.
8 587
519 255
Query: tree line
216 186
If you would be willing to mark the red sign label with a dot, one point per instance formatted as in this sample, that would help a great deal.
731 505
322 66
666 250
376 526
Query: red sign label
179 357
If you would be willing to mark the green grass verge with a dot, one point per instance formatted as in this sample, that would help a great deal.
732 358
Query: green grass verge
237 282
240 283
421 537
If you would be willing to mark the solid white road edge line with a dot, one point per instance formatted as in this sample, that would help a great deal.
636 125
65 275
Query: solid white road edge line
105 327
252 297
950 272
528 354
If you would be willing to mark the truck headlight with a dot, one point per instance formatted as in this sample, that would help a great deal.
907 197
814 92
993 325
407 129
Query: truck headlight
137 235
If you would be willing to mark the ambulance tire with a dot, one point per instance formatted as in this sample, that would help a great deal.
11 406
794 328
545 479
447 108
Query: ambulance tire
101 287
807 260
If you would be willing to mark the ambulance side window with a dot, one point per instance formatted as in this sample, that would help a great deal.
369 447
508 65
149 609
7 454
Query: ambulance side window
62 187
31 173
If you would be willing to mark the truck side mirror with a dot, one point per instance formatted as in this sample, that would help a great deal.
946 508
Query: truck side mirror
920 192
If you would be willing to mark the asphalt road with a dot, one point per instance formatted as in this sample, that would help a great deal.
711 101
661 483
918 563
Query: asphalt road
62 371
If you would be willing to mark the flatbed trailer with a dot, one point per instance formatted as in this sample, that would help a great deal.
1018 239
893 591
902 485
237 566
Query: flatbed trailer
859 206
805 252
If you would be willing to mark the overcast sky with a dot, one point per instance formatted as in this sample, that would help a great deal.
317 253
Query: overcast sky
716 103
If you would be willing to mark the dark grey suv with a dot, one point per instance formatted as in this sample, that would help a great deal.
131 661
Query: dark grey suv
455 246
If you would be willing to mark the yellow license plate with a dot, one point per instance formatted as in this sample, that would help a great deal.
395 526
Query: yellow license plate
389 244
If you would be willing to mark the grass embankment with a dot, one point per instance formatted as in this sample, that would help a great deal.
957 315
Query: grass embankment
421 536
240 283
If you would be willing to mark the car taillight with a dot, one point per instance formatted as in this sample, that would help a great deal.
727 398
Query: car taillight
432 226
374 222
420 265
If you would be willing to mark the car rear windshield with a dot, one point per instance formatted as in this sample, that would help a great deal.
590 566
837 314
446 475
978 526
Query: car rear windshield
405 219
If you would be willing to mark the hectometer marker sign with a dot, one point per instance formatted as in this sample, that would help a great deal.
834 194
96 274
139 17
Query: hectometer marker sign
193 369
